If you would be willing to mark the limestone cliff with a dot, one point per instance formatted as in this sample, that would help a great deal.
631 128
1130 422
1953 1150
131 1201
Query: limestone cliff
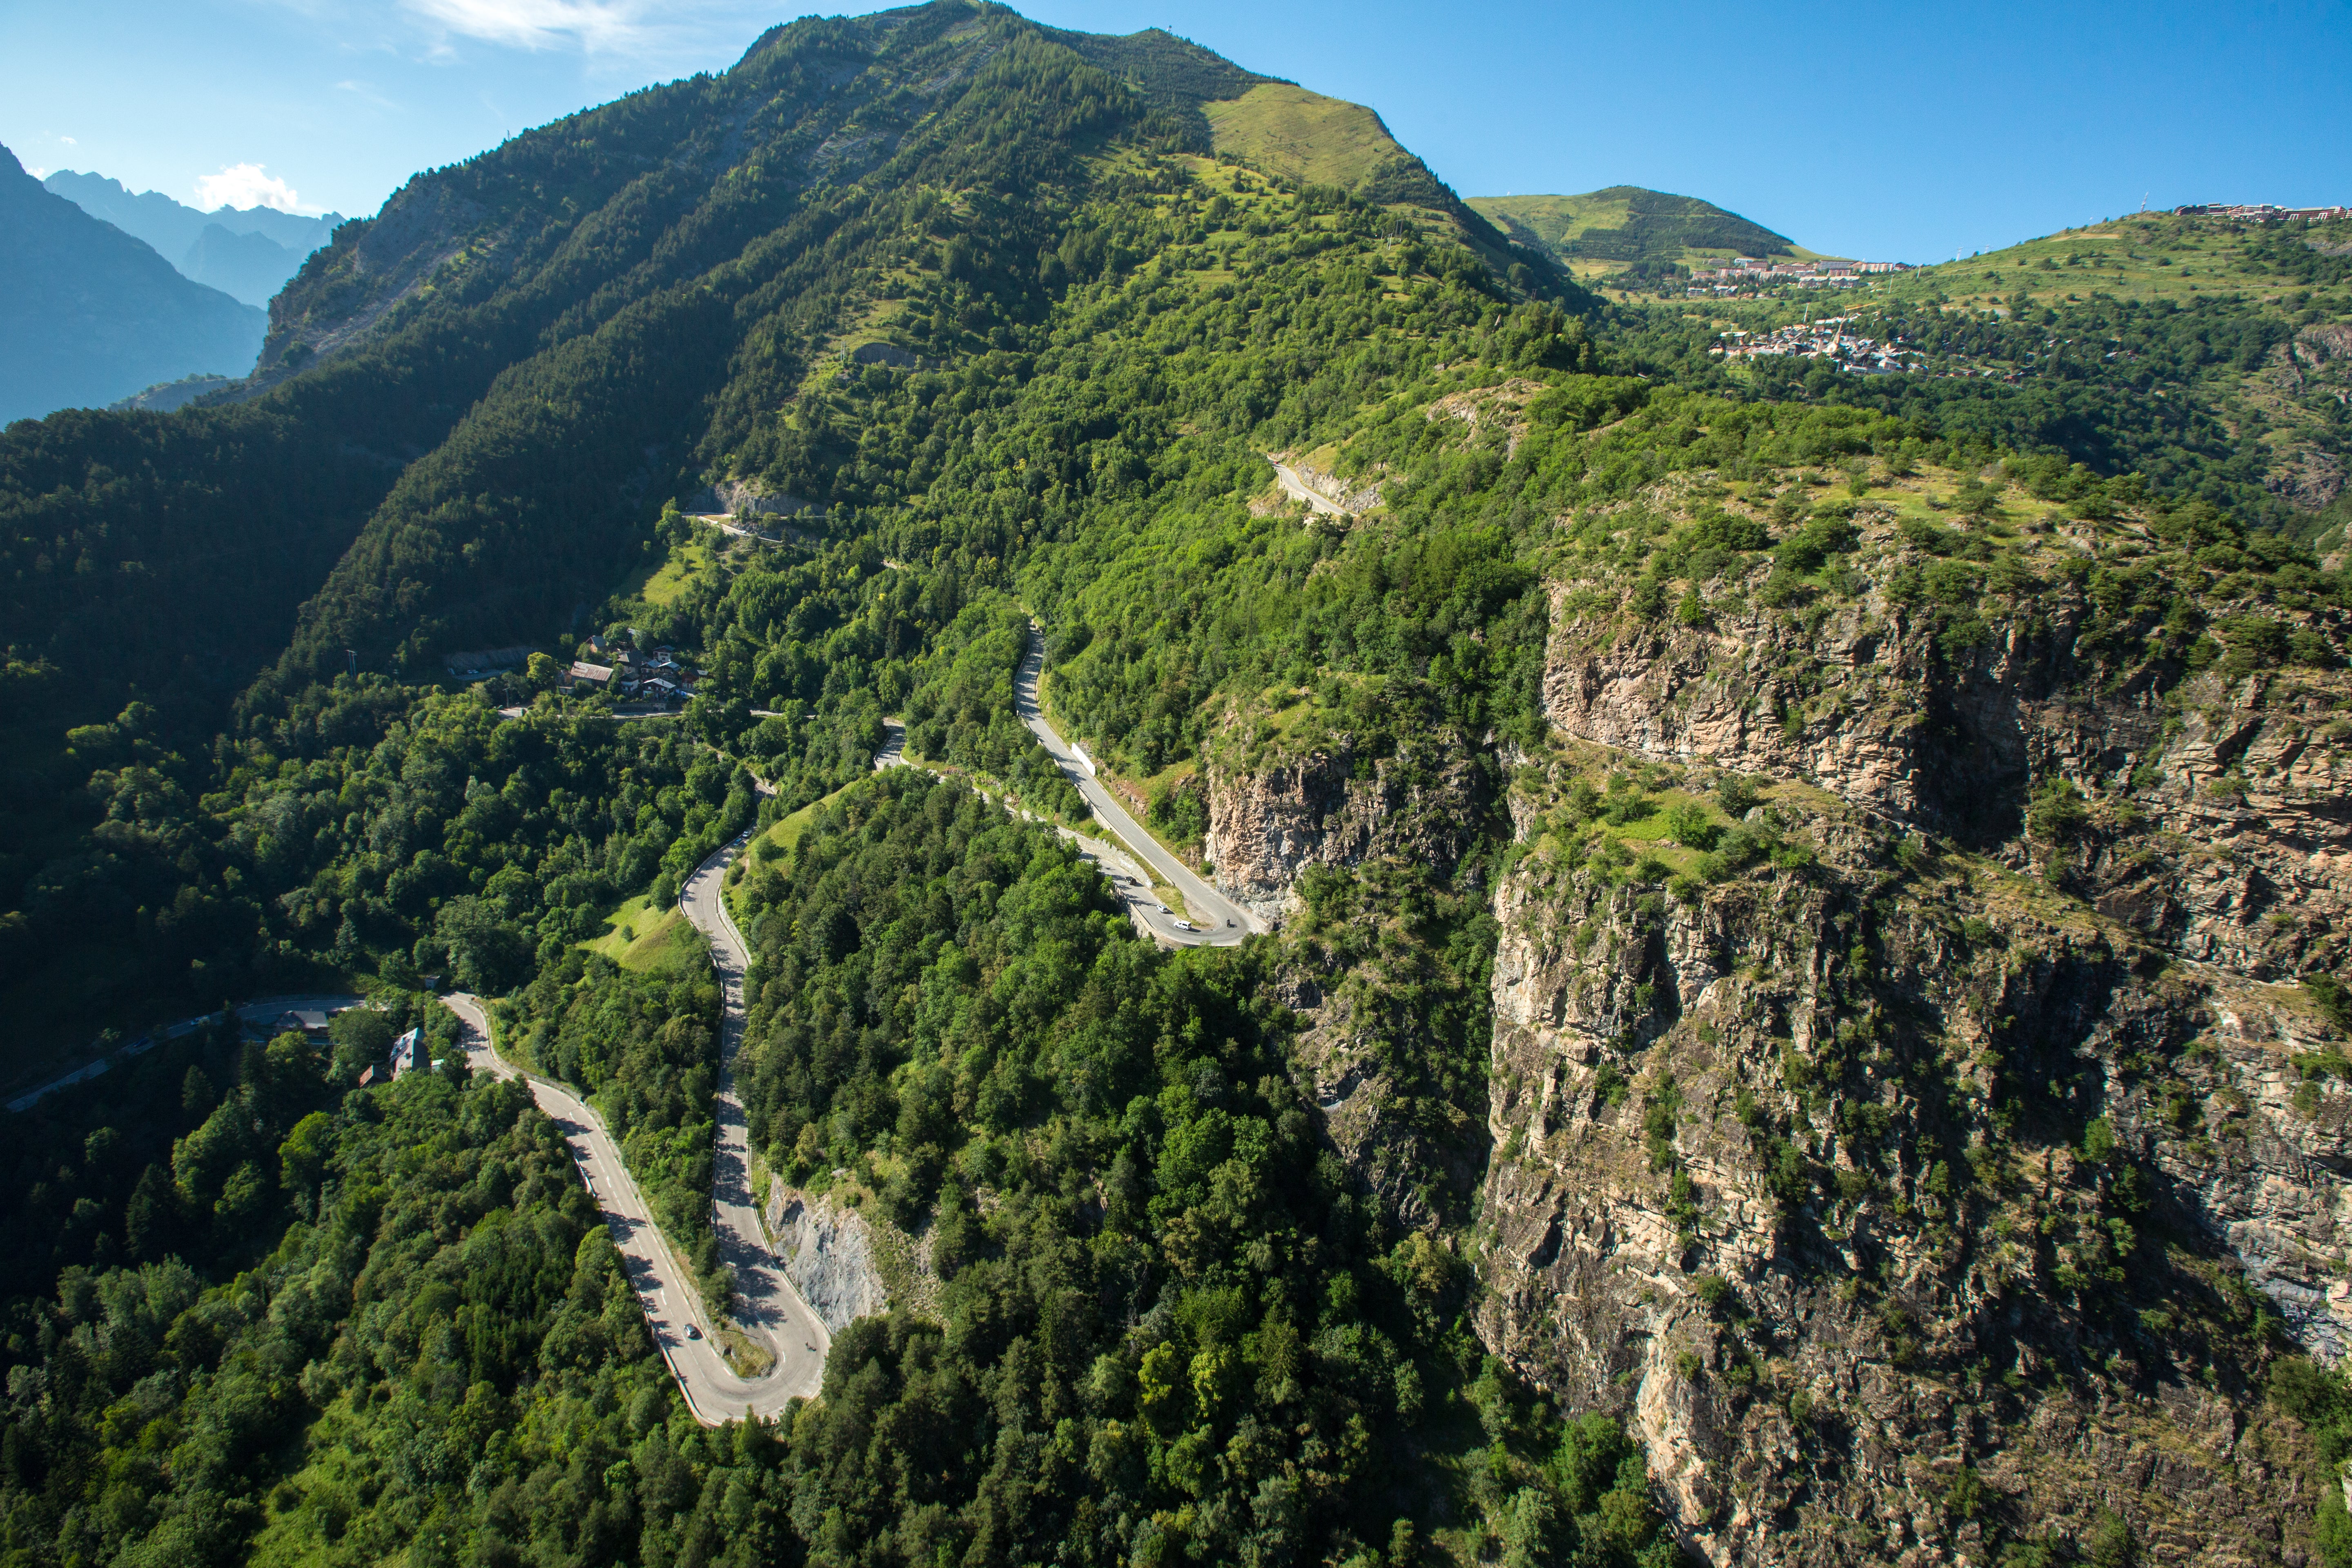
1902 1106
1273 815
1903 1109
1839 1178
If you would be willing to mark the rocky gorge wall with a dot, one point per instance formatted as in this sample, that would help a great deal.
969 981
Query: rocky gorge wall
2230 835
1836 1197
1949 1177
1926 1148
1330 805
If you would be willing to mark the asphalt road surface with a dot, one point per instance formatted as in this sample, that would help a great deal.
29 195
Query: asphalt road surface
665 1288
1170 928
1296 488
1220 917
766 1304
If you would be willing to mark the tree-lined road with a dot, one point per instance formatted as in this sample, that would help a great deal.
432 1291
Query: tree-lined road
665 1284
1223 919
765 1301
1127 876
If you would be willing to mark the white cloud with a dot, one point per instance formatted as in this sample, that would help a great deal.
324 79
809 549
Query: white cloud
649 33
594 26
366 94
69 141
245 186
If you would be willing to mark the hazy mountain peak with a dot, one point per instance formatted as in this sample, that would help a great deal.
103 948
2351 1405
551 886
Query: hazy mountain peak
88 315
176 231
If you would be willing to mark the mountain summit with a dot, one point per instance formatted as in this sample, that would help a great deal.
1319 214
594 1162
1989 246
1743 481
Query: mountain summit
1606 230
248 254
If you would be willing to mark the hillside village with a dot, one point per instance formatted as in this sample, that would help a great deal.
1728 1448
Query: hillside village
1745 274
1827 339
652 675
605 665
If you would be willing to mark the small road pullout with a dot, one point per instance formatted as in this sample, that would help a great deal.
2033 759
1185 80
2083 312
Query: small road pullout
664 1286
1228 920
1296 490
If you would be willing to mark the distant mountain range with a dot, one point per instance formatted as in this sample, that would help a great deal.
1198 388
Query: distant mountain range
88 315
246 254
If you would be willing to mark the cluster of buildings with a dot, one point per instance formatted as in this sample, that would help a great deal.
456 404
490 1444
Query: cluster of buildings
1824 340
645 676
2261 211
1749 272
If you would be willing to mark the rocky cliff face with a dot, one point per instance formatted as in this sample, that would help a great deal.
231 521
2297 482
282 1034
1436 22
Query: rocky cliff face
1279 809
1834 1202
828 1256
1939 1163
2217 817
1272 817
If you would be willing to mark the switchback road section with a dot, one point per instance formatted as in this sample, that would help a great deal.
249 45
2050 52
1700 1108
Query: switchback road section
1219 913
1126 873
765 1300
664 1286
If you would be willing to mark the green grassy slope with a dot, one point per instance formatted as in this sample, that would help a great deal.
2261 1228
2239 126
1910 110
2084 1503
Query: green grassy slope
2213 358
1602 232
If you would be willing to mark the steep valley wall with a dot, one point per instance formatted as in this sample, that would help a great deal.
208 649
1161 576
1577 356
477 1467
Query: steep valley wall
1947 1167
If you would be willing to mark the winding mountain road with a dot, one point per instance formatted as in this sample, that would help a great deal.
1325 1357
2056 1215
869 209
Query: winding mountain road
766 1306
1296 490
1223 919
765 1300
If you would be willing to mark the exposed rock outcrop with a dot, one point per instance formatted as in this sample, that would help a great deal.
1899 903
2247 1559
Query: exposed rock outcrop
2228 834
828 1256
1847 1174
1332 806
744 497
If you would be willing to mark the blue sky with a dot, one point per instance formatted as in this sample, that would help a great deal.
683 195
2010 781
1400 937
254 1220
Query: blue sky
1903 132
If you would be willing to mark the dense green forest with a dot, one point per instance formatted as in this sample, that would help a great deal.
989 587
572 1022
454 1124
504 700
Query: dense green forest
1169 1328
253 1311
642 1040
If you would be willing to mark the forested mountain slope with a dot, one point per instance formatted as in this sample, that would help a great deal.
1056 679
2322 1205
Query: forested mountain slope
1803 1024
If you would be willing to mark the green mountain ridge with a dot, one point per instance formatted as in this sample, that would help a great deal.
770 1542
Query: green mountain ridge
1625 225
1808 929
